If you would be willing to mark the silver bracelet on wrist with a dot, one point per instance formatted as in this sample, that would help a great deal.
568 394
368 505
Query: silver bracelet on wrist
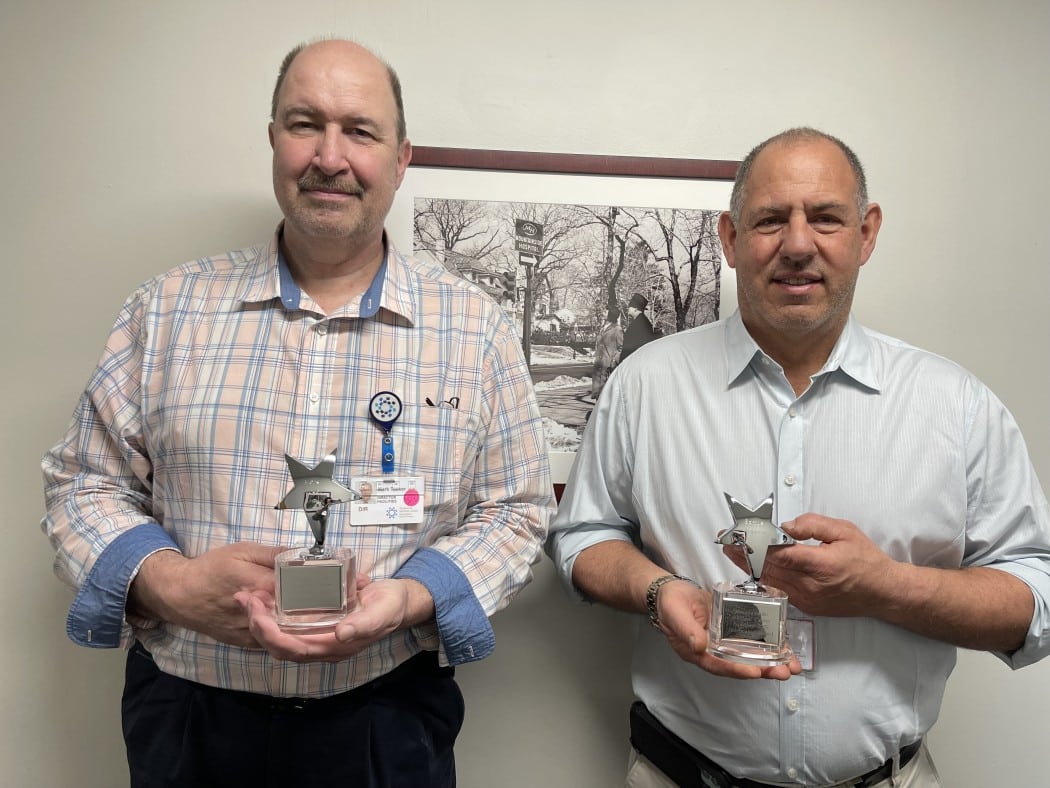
653 590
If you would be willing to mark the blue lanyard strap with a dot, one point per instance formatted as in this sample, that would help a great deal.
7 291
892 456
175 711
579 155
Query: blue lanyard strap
388 453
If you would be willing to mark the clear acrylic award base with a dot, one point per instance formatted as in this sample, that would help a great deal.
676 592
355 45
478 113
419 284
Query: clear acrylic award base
749 624
315 588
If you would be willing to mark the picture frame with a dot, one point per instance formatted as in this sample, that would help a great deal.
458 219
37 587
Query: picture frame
586 179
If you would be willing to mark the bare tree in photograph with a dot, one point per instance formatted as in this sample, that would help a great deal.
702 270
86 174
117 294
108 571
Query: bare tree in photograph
561 247
464 226
618 225
686 250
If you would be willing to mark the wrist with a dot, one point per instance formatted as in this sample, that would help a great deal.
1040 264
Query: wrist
158 578
419 604
652 595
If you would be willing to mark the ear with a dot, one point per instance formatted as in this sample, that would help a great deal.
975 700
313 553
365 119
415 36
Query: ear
869 231
727 234
269 132
404 156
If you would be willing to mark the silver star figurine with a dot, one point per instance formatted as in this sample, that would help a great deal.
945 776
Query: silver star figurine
753 529
313 491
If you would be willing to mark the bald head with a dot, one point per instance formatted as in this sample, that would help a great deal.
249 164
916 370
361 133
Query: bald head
351 49
796 135
337 155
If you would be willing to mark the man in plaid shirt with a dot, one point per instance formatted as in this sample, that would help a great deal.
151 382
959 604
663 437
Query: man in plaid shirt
161 497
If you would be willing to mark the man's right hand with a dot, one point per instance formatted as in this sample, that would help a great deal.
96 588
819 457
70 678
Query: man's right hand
684 612
197 593
618 574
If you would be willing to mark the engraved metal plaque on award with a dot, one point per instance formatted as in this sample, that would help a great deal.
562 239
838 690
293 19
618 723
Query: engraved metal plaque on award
749 620
315 586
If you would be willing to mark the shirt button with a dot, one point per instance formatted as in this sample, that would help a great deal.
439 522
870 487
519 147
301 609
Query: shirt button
789 480
314 397
792 772
322 329
792 413
793 705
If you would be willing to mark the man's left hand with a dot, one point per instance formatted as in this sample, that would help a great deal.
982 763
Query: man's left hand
383 607
845 575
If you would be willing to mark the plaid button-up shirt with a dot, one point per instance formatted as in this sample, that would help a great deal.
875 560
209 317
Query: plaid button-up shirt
217 369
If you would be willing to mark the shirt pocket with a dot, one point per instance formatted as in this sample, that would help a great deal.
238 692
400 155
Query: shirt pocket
439 444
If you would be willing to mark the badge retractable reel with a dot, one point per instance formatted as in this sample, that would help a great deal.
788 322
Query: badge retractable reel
398 500
385 408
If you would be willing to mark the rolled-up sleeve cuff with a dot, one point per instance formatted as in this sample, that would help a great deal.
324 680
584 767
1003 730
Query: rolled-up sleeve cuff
563 546
465 632
96 616
1037 643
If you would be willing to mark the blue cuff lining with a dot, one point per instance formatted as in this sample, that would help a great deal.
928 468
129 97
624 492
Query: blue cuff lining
463 627
97 613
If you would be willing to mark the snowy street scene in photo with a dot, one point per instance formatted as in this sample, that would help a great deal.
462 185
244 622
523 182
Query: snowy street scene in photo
585 284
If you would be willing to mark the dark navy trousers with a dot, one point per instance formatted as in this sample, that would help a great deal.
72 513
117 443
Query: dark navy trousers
397 730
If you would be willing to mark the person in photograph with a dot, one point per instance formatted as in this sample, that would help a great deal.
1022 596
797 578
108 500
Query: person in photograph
364 489
161 497
921 525
606 351
640 330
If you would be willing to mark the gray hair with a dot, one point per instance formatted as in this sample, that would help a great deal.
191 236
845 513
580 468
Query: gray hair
800 134
395 85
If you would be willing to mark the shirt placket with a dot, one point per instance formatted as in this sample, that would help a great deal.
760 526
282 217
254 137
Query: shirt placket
789 495
313 389
308 436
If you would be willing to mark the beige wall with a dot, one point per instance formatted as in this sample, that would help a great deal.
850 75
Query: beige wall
133 138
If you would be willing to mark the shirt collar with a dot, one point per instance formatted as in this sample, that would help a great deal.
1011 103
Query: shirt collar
261 282
740 347
272 279
400 294
852 355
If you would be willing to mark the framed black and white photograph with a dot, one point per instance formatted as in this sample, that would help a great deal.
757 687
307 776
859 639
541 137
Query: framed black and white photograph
592 256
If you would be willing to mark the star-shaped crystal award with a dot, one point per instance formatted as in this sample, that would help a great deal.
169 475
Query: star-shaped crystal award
755 532
313 491
315 587
749 620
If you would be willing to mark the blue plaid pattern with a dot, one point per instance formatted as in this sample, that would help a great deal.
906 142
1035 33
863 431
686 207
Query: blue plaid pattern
209 378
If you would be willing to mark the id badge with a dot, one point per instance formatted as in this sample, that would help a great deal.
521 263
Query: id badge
800 640
387 500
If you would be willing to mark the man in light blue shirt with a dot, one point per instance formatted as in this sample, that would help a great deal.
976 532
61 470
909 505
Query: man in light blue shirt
922 524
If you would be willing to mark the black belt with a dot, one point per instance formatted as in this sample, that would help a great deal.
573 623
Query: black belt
687 767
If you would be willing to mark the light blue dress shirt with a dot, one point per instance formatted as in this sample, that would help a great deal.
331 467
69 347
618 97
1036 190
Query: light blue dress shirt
907 445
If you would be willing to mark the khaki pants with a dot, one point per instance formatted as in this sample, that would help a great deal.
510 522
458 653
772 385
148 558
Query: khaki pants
919 773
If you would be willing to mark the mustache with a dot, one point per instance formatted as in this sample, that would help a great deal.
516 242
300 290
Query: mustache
798 266
312 181
808 268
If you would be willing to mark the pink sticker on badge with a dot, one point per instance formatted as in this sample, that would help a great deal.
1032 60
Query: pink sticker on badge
411 497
